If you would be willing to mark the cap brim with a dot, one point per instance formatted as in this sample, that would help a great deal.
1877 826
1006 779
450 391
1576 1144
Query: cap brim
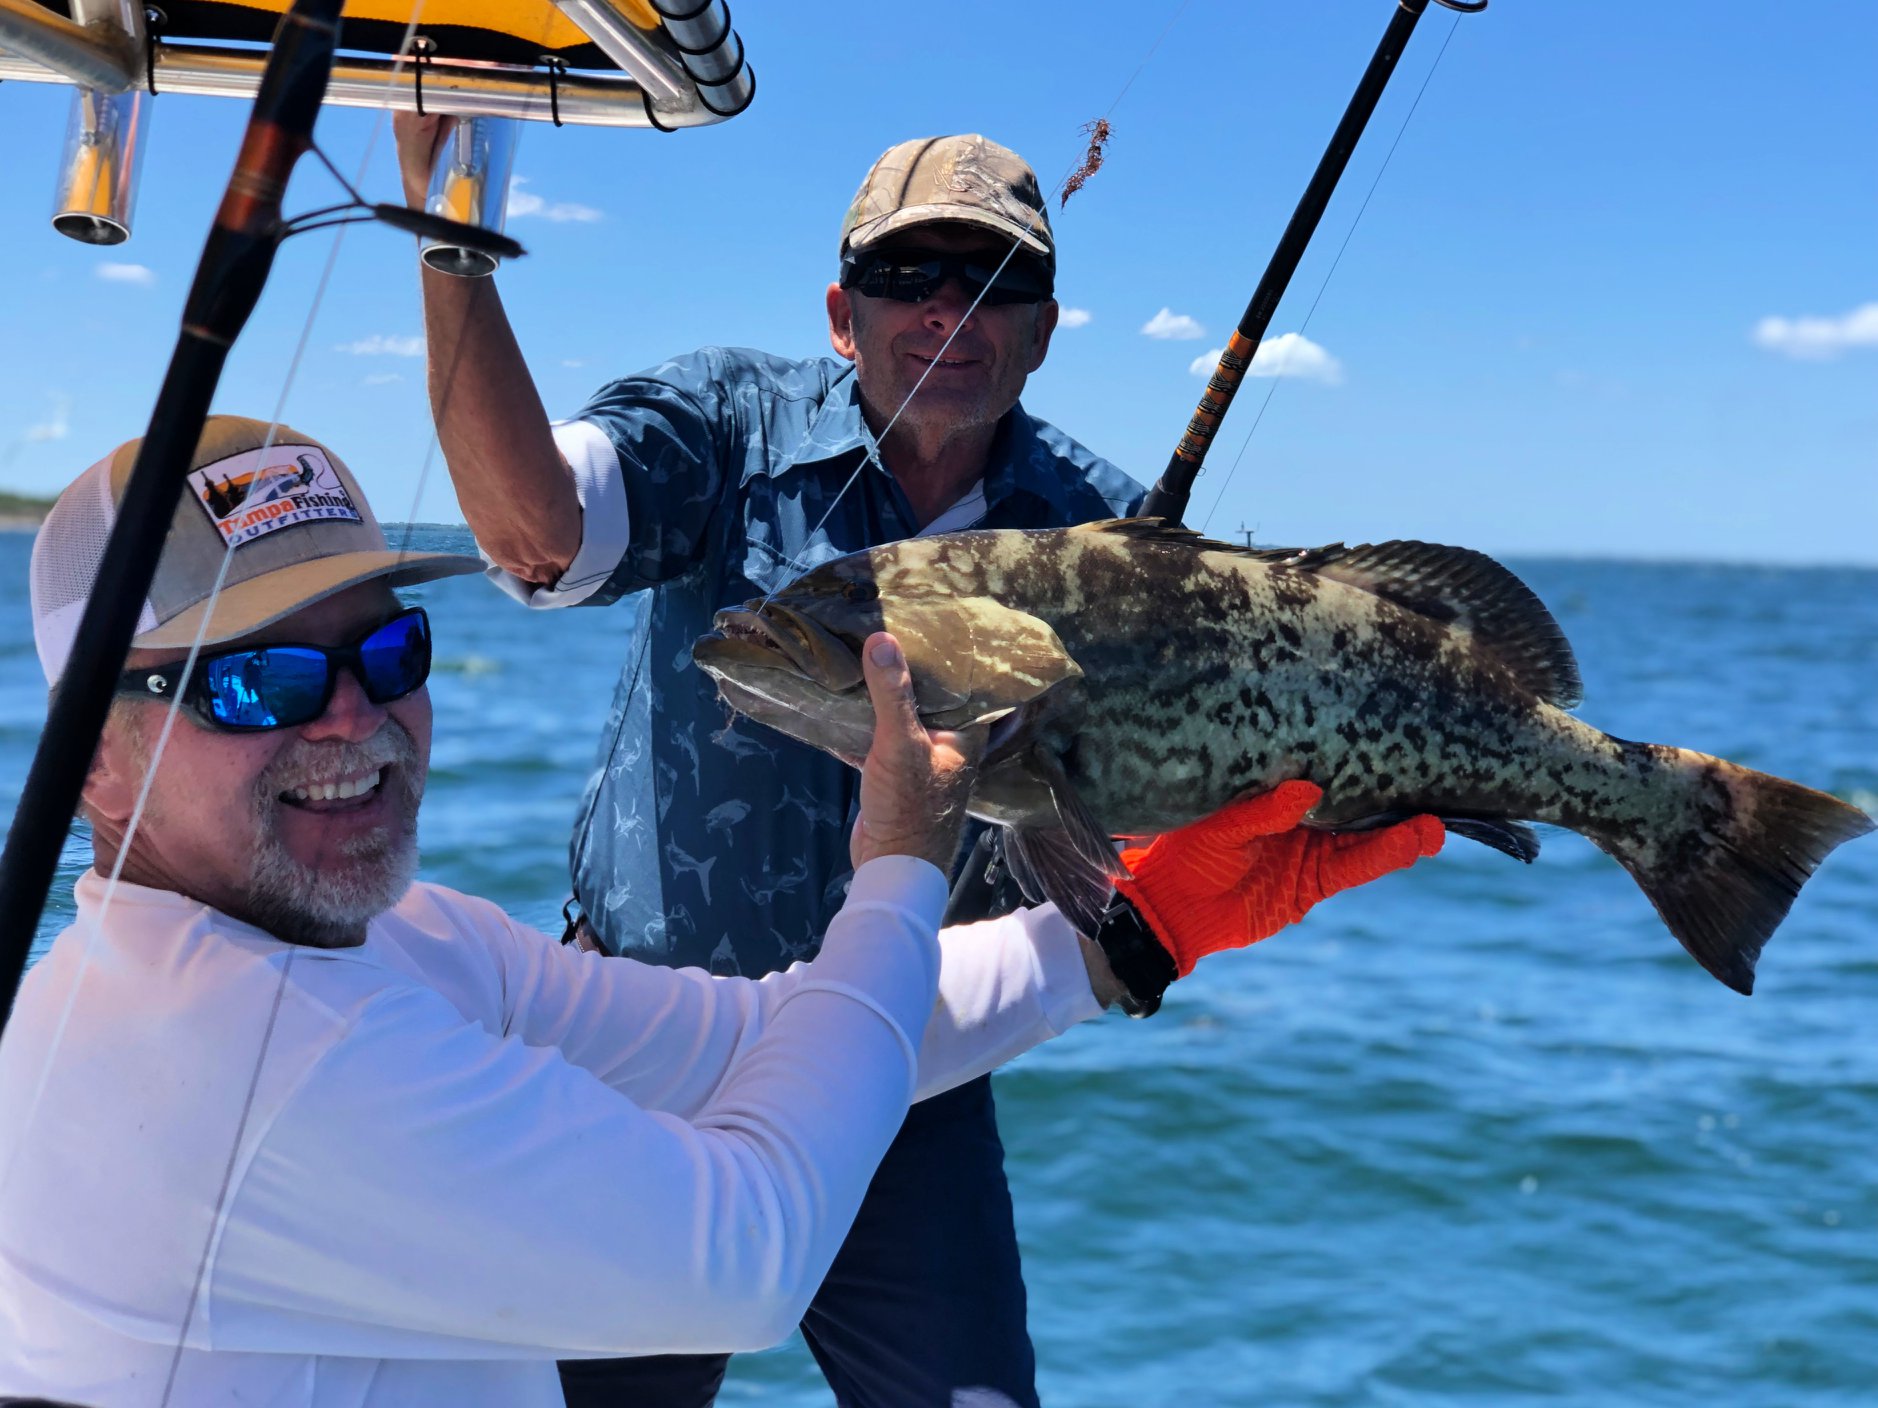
261 601
872 232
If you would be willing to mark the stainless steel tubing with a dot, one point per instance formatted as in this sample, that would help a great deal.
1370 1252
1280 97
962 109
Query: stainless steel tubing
711 51
99 56
471 184
98 170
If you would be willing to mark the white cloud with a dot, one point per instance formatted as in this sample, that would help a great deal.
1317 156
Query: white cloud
573 362
1075 318
383 345
1815 339
1171 325
137 274
382 378
1289 354
57 428
523 204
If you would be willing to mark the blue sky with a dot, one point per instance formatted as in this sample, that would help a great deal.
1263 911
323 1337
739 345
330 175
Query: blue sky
1550 332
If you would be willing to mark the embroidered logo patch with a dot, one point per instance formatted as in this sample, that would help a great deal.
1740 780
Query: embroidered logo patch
258 492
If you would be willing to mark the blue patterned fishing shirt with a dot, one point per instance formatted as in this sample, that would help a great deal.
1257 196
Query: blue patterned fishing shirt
713 842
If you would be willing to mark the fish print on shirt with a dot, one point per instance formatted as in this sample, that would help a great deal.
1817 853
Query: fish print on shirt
683 863
725 815
739 743
688 745
625 823
770 884
724 960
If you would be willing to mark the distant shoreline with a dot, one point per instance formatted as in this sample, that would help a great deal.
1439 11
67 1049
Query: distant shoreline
22 512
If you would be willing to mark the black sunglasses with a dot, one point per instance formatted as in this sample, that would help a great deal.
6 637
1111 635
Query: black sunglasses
281 686
913 276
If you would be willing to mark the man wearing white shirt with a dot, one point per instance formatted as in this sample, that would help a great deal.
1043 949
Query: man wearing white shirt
281 1126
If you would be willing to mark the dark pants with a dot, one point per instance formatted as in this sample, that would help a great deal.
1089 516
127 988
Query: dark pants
924 1306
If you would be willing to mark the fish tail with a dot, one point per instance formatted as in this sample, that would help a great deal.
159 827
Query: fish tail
1724 864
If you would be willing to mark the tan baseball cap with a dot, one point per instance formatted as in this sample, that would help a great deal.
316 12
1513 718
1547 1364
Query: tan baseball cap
970 180
300 527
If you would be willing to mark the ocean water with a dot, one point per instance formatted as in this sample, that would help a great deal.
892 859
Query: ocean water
1478 1135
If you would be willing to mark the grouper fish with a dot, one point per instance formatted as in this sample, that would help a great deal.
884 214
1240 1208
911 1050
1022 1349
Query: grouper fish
1135 676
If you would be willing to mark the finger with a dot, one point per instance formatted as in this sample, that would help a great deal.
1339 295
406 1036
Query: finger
890 688
1269 813
969 742
1356 858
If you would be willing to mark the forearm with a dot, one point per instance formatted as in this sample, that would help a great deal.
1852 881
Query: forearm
516 491
1006 985
463 1230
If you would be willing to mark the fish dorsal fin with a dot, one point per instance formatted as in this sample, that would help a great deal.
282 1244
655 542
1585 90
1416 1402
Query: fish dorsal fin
1159 530
1463 589
1456 586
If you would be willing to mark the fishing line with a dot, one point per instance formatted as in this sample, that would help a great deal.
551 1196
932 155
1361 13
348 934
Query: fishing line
1279 372
870 452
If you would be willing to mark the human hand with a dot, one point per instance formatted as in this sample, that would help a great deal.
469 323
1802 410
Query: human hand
418 139
914 781
1250 869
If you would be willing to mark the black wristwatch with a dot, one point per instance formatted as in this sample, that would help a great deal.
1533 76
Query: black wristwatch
1136 958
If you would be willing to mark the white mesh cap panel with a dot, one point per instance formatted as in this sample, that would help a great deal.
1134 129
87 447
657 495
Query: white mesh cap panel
66 554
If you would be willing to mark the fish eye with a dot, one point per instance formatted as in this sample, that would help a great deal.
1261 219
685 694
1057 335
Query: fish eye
860 591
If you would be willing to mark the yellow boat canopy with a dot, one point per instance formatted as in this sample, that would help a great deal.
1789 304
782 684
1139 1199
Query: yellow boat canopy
624 63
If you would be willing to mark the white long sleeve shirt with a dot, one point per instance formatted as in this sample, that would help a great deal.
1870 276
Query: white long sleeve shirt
390 1174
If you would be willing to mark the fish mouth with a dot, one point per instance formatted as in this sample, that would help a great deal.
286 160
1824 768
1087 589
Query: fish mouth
766 635
783 669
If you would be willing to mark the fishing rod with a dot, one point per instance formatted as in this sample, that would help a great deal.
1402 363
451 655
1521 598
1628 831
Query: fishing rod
1168 498
236 260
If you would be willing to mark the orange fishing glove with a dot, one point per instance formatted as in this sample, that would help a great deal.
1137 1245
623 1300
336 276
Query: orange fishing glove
1249 869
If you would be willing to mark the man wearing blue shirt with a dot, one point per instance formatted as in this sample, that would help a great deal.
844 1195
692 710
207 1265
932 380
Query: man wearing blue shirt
703 841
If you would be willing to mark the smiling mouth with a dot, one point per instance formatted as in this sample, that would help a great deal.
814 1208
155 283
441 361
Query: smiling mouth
337 794
945 363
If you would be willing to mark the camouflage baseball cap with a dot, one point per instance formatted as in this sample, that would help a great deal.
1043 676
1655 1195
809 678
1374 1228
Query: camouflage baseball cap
291 512
970 180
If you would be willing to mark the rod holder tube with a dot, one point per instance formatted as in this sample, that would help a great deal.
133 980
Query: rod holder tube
470 184
100 166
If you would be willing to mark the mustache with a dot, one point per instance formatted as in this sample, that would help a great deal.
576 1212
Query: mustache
304 763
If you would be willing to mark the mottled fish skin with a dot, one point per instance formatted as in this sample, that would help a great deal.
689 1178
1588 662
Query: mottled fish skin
1208 676
1185 674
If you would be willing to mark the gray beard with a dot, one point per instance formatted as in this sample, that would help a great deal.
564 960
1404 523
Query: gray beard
328 905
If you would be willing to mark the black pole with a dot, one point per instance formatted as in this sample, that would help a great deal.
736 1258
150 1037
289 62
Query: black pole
1168 498
234 268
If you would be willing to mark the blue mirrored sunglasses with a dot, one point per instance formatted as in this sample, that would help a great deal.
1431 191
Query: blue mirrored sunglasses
282 686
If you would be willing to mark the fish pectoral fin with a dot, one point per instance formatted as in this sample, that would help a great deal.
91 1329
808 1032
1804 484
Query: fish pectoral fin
1048 866
1088 836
